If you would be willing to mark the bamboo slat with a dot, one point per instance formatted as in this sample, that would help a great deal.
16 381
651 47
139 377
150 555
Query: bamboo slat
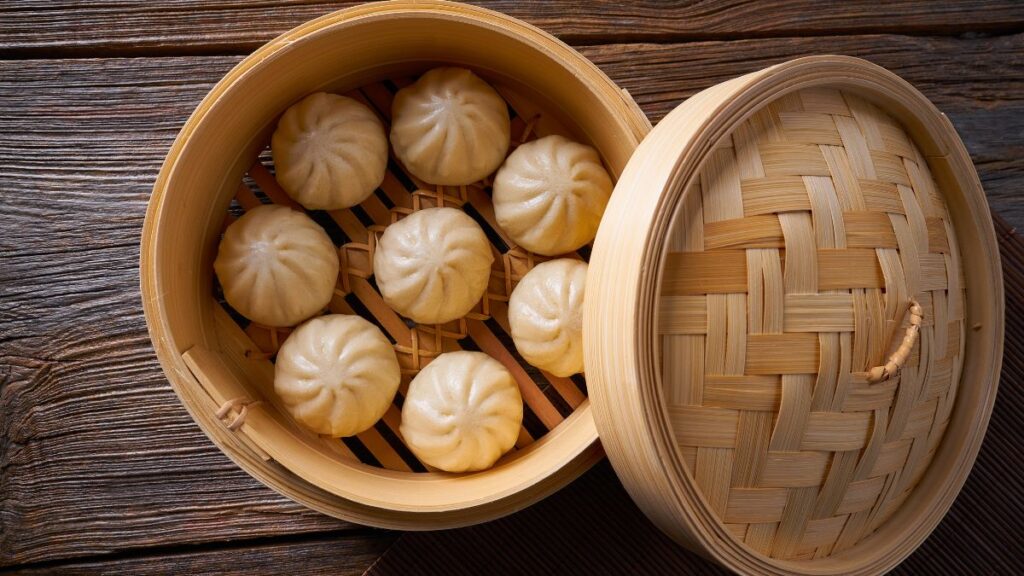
774 195
684 315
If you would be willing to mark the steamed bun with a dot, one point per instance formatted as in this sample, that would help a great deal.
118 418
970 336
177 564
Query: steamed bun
337 374
433 265
450 127
546 315
462 412
277 267
330 152
550 194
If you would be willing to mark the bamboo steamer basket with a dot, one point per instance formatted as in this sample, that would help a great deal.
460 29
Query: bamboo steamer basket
218 164
683 202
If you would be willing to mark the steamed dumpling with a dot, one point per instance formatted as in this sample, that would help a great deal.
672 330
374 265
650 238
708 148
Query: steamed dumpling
337 374
450 127
546 315
462 412
550 194
277 266
433 265
330 152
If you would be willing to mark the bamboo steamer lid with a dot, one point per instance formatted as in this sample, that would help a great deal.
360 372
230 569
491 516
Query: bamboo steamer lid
794 319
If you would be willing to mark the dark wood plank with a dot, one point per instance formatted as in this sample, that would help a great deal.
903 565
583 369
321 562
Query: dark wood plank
97 455
617 539
76 27
338 555
977 82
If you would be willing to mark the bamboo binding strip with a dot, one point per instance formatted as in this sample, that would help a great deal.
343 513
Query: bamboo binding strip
809 234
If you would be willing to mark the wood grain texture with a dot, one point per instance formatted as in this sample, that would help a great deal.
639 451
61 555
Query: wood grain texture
70 27
975 81
97 455
341 554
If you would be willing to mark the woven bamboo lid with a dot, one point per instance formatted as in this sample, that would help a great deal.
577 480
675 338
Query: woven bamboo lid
799 365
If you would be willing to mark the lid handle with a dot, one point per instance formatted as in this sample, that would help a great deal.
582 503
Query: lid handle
899 357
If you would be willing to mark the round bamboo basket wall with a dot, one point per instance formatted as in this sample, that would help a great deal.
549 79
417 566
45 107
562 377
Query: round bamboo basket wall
809 361
221 365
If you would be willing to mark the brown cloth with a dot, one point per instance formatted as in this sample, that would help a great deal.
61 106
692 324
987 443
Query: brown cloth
592 527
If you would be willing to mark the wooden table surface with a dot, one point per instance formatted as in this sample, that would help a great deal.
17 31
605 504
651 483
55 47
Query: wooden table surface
101 468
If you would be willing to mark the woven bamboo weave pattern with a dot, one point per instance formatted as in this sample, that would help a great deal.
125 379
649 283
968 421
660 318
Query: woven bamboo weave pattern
791 268
548 399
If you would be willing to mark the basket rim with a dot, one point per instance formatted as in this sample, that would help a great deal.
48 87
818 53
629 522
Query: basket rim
574 451
632 420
